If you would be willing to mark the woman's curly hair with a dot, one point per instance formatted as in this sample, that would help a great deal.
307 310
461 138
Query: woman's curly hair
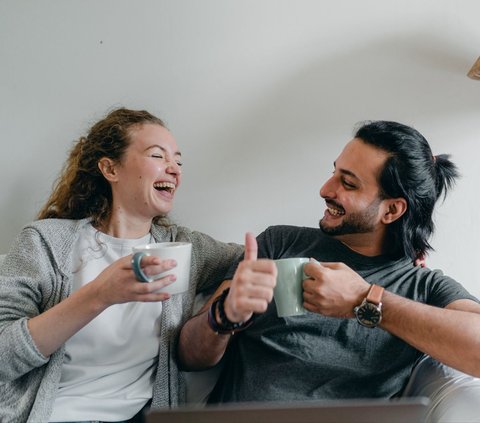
81 190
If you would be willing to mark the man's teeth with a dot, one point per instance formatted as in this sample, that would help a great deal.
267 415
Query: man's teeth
164 185
335 212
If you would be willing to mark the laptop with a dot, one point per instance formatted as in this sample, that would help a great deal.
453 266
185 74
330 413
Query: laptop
402 410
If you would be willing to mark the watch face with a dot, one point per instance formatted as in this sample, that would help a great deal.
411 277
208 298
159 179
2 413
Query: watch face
368 314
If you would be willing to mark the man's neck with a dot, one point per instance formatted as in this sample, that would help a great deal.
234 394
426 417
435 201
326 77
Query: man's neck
368 244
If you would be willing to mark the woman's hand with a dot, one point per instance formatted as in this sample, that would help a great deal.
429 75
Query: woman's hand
117 283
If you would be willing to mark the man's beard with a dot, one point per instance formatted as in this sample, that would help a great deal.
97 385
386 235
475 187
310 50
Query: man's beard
355 223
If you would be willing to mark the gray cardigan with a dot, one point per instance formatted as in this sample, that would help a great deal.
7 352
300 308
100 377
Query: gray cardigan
37 273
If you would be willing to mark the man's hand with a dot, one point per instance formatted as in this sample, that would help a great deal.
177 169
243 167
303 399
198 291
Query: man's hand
333 289
252 286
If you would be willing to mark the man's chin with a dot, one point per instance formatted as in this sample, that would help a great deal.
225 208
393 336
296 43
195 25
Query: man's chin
328 230
335 231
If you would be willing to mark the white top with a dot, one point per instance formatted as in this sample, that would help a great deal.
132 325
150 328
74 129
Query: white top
108 368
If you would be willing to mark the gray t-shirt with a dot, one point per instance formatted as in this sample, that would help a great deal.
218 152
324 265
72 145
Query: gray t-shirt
316 357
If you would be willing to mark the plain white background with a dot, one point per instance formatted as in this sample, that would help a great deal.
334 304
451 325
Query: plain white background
260 94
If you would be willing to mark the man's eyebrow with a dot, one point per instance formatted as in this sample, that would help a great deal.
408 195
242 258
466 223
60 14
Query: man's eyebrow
345 171
177 153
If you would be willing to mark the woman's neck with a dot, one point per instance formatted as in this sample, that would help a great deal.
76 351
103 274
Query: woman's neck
131 229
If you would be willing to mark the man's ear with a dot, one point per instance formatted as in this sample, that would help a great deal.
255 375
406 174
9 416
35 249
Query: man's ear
108 169
396 207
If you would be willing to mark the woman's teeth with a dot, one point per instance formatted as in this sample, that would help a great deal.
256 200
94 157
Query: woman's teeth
164 185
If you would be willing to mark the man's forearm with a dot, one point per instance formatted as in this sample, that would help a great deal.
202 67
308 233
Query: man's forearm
199 346
251 290
450 335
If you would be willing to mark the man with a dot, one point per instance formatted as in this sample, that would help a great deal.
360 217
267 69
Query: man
371 312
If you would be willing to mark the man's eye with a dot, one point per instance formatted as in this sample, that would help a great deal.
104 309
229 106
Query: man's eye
348 185
180 164
157 156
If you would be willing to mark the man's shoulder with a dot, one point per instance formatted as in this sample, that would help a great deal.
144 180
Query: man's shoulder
290 241
292 230
294 234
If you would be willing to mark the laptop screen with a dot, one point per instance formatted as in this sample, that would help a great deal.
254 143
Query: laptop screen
402 410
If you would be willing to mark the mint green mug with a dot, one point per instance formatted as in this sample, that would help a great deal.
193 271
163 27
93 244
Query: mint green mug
288 292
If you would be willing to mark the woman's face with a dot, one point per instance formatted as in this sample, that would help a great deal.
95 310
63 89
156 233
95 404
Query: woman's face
149 174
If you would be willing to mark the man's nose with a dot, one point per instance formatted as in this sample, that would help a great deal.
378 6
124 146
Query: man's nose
328 189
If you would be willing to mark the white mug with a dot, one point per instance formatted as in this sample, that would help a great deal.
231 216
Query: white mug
181 252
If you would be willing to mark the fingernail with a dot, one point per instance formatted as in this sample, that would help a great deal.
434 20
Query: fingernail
312 260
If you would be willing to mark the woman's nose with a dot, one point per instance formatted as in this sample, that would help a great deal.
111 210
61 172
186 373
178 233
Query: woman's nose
174 167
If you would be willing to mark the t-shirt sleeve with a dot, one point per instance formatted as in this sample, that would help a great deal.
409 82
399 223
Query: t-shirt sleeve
444 290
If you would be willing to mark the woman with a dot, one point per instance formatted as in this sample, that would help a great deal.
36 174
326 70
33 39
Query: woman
81 338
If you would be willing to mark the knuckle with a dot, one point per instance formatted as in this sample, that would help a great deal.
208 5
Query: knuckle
272 281
144 288
263 306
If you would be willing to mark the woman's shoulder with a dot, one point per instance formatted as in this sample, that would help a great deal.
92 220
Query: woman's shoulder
44 239
200 240
56 227
168 231
57 234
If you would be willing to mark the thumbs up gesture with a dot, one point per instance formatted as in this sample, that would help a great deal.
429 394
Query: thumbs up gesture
252 286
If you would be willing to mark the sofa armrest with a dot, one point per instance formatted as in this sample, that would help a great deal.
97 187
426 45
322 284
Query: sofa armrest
454 395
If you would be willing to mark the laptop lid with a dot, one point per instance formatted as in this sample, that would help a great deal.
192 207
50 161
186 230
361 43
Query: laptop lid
402 410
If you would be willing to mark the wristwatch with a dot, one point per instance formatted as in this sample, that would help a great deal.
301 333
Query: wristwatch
369 313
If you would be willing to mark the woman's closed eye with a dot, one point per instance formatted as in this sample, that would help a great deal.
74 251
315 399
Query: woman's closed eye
161 156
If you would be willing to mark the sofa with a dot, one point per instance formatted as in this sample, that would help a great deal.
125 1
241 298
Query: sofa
454 396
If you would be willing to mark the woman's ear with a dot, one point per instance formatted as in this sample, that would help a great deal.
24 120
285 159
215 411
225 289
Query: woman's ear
396 207
108 169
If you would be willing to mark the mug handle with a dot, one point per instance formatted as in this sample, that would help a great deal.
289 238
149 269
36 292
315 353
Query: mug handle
137 270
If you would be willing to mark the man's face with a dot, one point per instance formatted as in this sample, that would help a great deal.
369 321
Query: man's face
359 222
352 193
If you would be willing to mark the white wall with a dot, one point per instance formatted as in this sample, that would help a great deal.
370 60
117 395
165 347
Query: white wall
261 95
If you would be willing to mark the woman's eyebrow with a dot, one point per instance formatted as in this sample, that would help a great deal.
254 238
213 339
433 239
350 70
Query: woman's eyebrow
177 153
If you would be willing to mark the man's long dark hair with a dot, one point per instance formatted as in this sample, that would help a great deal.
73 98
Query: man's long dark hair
412 172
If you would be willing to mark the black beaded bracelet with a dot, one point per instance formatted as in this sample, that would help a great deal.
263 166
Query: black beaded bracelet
225 326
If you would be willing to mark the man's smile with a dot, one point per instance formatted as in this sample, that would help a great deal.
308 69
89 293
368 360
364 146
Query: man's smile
335 210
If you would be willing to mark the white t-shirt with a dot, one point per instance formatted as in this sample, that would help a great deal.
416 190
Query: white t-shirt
109 364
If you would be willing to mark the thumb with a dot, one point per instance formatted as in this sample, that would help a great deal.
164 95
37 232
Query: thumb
251 248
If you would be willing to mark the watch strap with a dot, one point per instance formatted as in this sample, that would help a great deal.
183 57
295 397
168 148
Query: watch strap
375 294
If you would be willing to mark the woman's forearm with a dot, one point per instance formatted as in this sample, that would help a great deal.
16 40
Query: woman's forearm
51 329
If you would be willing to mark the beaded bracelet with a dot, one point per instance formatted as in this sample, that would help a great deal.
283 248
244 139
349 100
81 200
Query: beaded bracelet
225 326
